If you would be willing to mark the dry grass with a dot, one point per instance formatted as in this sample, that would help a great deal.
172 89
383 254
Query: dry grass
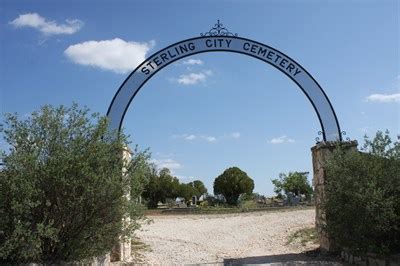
138 247
303 236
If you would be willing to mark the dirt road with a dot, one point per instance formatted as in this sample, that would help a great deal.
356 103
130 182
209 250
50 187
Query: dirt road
258 237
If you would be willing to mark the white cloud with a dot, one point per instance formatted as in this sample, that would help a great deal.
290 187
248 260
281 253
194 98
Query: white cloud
210 138
281 139
47 27
116 55
194 78
167 163
235 135
190 137
191 79
384 98
185 178
193 62
185 136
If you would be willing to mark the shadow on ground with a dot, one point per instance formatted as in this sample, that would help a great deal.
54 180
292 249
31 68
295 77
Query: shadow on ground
306 258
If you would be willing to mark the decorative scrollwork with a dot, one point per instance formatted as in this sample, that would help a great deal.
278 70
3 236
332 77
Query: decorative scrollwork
344 134
218 30
317 139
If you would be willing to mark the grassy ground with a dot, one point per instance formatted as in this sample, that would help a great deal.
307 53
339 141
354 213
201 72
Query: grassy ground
304 236
220 210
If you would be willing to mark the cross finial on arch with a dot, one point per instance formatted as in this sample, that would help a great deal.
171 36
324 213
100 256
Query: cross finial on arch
218 30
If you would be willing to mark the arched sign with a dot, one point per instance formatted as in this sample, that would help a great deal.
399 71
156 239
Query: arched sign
218 39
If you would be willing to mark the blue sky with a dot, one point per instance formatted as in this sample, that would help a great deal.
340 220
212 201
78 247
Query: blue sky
211 111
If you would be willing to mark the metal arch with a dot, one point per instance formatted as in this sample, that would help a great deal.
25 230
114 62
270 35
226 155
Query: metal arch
137 78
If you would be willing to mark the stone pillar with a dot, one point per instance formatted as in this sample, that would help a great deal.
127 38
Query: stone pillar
320 155
123 250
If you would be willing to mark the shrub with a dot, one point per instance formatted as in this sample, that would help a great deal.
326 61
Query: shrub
248 204
204 204
62 191
362 197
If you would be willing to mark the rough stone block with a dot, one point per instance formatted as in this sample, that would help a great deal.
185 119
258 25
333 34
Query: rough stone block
361 263
357 259
380 262
371 261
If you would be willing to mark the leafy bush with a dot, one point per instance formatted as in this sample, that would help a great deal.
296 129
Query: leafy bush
62 191
363 197
204 204
213 200
248 204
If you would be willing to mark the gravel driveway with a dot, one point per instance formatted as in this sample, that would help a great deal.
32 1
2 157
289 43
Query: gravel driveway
257 237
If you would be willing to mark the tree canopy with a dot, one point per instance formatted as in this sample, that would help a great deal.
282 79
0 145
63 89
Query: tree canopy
232 183
163 185
198 188
62 187
294 182
362 202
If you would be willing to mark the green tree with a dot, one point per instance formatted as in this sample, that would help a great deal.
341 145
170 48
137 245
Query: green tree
362 202
62 187
152 190
294 182
169 184
141 171
186 191
232 183
199 188
161 186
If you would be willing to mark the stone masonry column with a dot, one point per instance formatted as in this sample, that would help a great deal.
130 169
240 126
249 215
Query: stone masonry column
320 155
122 252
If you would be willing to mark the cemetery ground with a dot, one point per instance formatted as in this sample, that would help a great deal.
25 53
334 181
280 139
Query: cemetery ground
282 236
